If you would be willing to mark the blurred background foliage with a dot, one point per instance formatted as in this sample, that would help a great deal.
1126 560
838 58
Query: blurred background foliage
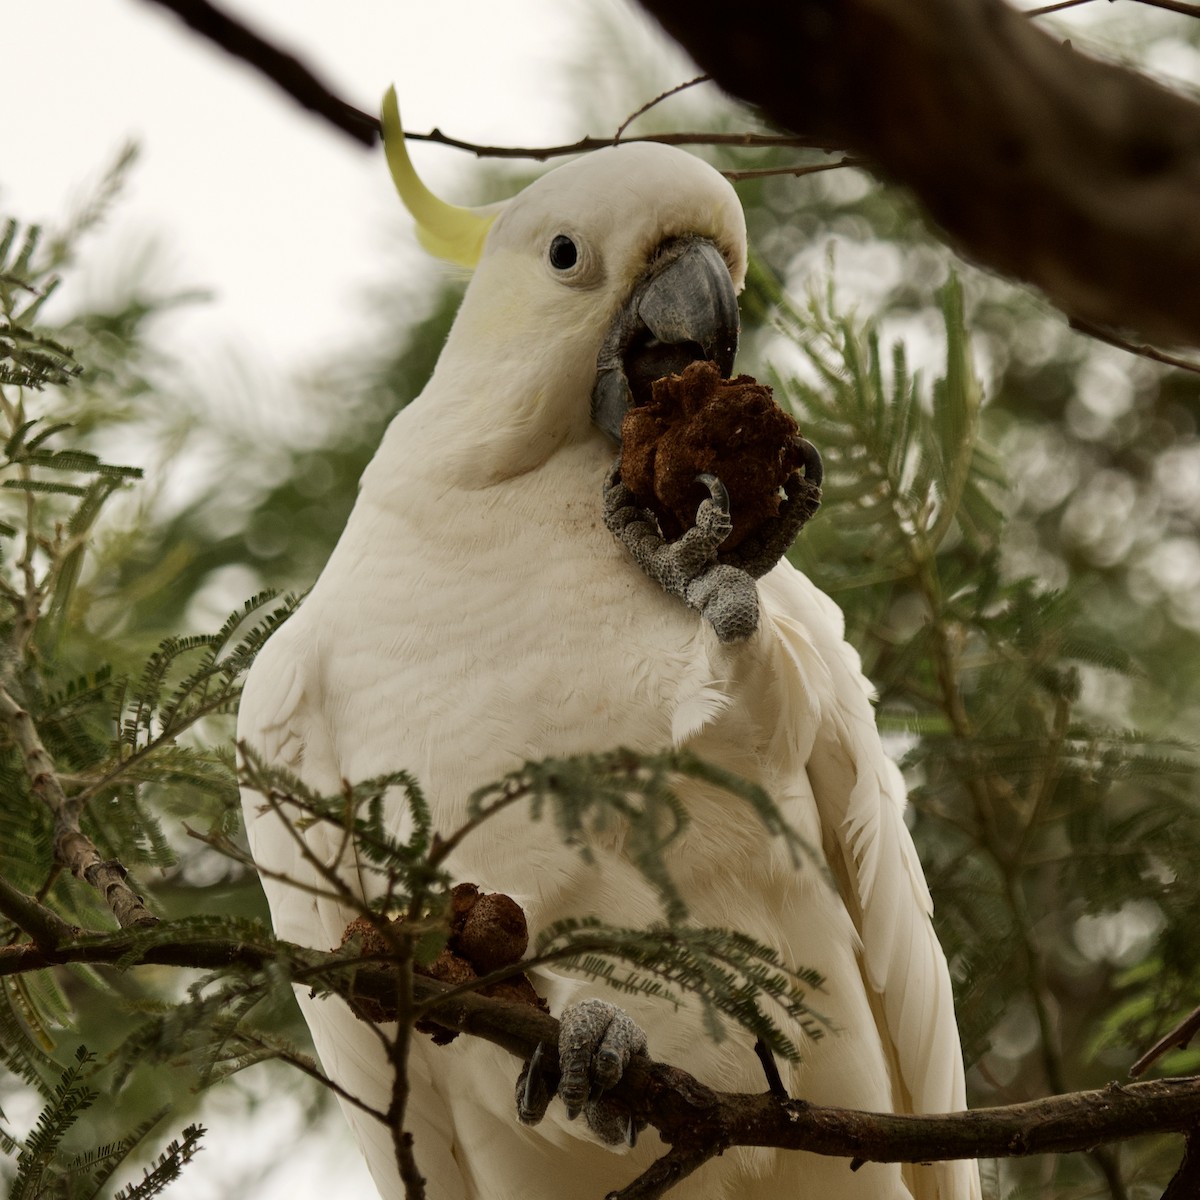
1028 608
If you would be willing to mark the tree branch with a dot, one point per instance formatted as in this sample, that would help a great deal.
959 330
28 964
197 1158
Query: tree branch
72 847
584 145
1113 338
1075 175
694 1119
1185 1183
1177 1039
47 928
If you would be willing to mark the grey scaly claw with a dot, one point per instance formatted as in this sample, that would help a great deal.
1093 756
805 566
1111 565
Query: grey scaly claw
595 1044
724 594
727 598
612 1122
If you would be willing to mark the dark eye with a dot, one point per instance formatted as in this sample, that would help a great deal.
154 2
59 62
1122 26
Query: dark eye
563 253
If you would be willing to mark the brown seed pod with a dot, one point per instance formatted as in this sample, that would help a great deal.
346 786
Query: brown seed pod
462 900
370 940
450 968
488 931
696 423
371 943
494 933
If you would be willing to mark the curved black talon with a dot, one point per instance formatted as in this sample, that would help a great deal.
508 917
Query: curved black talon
632 1129
759 552
814 468
535 1088
717 491
532 1075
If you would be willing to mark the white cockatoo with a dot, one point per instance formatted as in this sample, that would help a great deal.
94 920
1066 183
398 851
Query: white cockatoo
478 613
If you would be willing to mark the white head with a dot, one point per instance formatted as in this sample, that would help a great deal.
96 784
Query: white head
563 268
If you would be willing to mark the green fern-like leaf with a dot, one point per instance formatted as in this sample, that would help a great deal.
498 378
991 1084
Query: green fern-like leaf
70 1099
167 1167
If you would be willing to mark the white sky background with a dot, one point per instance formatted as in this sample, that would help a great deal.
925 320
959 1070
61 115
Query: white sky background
252 196
287 220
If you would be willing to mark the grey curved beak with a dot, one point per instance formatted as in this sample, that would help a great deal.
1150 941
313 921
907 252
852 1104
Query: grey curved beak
683 309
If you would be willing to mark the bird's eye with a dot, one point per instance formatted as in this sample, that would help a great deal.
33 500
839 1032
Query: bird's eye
564 254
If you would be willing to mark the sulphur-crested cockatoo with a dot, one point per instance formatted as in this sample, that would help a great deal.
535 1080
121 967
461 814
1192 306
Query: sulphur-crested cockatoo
478 613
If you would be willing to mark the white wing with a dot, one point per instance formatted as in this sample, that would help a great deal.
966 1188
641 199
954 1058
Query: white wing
860 799
281 716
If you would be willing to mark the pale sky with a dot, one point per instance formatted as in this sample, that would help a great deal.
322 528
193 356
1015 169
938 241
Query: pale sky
251 195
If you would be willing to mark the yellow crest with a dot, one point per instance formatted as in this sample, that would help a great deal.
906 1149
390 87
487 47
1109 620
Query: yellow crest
445 230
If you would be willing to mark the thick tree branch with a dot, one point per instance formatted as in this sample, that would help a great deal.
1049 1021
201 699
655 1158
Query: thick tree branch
1075 175
47 928
696 1120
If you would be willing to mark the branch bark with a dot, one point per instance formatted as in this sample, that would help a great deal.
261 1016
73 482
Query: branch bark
1177 1039
697 1121
72 847
1185 1184
1075 175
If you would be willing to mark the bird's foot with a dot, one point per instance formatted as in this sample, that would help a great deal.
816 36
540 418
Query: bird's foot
722 593
763 548
596 1042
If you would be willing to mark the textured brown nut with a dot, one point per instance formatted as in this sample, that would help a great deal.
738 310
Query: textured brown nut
494 933
450 968
370 943
487 931
698 423
462 899
370 940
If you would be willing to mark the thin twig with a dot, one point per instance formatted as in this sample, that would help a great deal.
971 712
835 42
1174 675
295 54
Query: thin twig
1053 8
306 1066
665 1173
443 847
1177 1039
1113 338
795 172
755 141
94 785
770 1069
229 849
679 87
